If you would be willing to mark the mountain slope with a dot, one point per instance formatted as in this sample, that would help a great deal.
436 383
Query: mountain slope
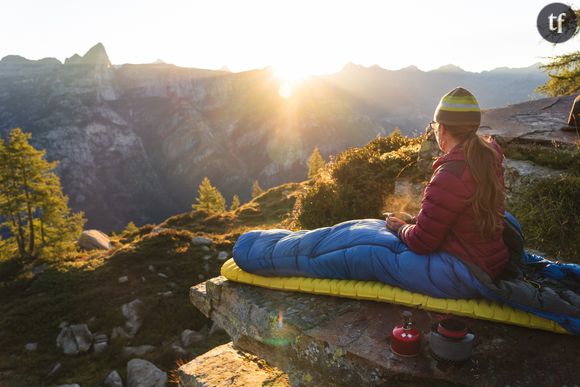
135 141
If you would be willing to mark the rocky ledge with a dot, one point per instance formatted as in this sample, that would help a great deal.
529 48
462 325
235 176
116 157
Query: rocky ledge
538 121
320 340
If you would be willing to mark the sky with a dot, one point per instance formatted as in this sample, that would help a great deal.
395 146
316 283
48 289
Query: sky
315 36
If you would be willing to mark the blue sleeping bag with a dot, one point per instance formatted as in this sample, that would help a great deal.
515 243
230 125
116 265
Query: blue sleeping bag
365 250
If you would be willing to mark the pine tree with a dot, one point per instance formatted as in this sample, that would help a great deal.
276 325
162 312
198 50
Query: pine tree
131 228
32 203
209 199
235 203
315 163
256 189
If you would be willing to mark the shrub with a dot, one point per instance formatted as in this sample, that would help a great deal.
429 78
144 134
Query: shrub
356 183
548 211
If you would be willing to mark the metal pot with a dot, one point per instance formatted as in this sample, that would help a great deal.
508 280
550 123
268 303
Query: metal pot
451 340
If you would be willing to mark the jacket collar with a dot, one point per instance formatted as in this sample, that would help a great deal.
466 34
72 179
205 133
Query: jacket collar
456 153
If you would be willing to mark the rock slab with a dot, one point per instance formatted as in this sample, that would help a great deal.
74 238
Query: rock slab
323 340
228 366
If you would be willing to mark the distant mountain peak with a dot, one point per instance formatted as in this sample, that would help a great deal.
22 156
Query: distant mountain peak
410 68
450 68
352 66
97 55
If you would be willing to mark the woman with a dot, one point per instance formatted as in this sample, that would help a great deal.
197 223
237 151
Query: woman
463 204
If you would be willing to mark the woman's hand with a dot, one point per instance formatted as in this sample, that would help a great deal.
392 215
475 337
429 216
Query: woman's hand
394 224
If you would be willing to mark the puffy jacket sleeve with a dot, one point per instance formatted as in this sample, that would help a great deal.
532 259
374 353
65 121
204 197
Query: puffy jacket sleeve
444 199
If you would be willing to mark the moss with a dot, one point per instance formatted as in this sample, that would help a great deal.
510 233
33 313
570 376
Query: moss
548 211
554 156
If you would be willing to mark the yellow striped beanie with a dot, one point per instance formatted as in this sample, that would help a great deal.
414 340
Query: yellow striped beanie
458 107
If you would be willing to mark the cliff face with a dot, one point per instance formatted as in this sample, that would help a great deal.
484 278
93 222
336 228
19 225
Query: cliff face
135 141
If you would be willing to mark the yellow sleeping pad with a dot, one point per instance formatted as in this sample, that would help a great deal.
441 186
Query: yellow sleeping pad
482 309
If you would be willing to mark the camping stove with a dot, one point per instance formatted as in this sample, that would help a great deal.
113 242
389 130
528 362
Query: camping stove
406 339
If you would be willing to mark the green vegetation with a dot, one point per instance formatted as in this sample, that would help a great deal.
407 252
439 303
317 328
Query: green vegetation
548 211
357 182
554 157
315 163
83 287
32 203
564 73
210 198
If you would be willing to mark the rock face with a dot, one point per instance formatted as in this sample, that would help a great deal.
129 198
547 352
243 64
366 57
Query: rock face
94 239
141 373
539 121
321 340
135 141
74 339
225 365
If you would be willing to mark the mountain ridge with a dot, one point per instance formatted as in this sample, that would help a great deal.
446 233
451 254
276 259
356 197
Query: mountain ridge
136 140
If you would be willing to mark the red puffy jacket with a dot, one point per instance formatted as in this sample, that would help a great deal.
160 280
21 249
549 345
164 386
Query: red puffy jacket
446 221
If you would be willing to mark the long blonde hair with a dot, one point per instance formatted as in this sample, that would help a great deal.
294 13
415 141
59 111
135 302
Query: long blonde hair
489 199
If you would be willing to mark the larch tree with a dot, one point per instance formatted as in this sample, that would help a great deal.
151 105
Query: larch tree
564 71
235 203
209 198
315 163
32 204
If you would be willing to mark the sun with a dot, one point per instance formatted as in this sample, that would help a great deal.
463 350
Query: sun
289 75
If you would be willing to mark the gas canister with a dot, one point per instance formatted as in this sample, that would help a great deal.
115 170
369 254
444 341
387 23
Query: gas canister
406 338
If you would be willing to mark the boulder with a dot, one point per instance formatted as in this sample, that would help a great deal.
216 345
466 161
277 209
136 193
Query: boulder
131 313
141 373
113 380
74 339
228 366
122 279
519 173
201 241
222 256
321 340
94 240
